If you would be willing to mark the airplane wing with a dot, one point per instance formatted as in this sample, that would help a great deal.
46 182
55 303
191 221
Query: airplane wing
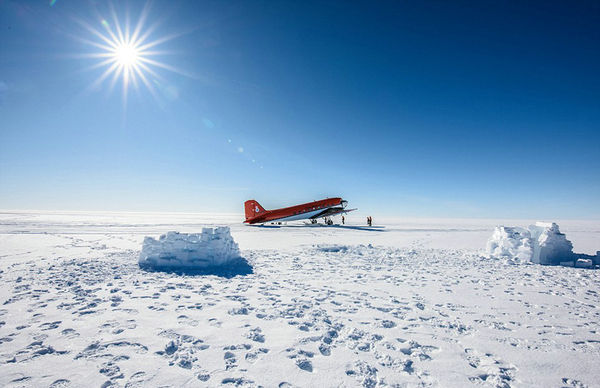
332 211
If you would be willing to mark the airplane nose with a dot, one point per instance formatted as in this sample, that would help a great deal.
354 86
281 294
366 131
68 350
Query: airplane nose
344 204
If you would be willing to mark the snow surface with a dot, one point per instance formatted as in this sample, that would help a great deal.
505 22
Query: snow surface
414 303
542 243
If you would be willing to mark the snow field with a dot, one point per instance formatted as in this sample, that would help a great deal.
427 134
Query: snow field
328 310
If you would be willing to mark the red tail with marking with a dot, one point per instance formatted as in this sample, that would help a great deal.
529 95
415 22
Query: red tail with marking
253 209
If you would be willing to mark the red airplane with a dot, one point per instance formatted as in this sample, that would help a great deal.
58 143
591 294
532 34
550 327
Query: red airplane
256 214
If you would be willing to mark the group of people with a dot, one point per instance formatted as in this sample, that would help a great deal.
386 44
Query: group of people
329 221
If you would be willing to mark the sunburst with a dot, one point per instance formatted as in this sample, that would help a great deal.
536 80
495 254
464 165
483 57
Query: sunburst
125 55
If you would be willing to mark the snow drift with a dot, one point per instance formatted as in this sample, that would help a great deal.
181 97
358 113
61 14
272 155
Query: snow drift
174 251
542 243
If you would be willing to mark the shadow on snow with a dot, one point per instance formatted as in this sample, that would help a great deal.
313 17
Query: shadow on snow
354 227
236 267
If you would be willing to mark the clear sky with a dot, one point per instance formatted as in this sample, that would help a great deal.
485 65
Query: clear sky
434 108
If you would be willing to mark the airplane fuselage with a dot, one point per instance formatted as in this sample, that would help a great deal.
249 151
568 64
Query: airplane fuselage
256 214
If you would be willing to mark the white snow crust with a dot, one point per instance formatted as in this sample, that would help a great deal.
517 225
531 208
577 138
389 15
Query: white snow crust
542 243
405 303
213 247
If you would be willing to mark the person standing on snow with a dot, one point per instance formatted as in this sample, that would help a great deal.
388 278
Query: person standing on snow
343 219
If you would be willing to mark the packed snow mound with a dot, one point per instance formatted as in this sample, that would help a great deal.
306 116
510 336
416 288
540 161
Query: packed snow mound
552 245
510 242
174 250
542 243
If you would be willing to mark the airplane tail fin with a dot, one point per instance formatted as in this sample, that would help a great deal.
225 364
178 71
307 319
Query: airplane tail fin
253 209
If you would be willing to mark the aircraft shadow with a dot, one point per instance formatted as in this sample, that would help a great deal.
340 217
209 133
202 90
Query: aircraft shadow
354 227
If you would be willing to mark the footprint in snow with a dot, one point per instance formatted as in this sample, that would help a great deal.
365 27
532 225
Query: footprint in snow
136 380
364 373
50 325
60 383
251 357
304 364
230 360
285 384
256 335
69 333
573 383
494 370
185 320
237 381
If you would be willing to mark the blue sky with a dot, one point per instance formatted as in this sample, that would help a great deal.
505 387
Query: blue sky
434 109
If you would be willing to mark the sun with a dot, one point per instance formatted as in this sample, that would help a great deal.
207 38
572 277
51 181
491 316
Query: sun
127 55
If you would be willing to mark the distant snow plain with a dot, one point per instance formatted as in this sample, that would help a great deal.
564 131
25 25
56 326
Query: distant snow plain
408 303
